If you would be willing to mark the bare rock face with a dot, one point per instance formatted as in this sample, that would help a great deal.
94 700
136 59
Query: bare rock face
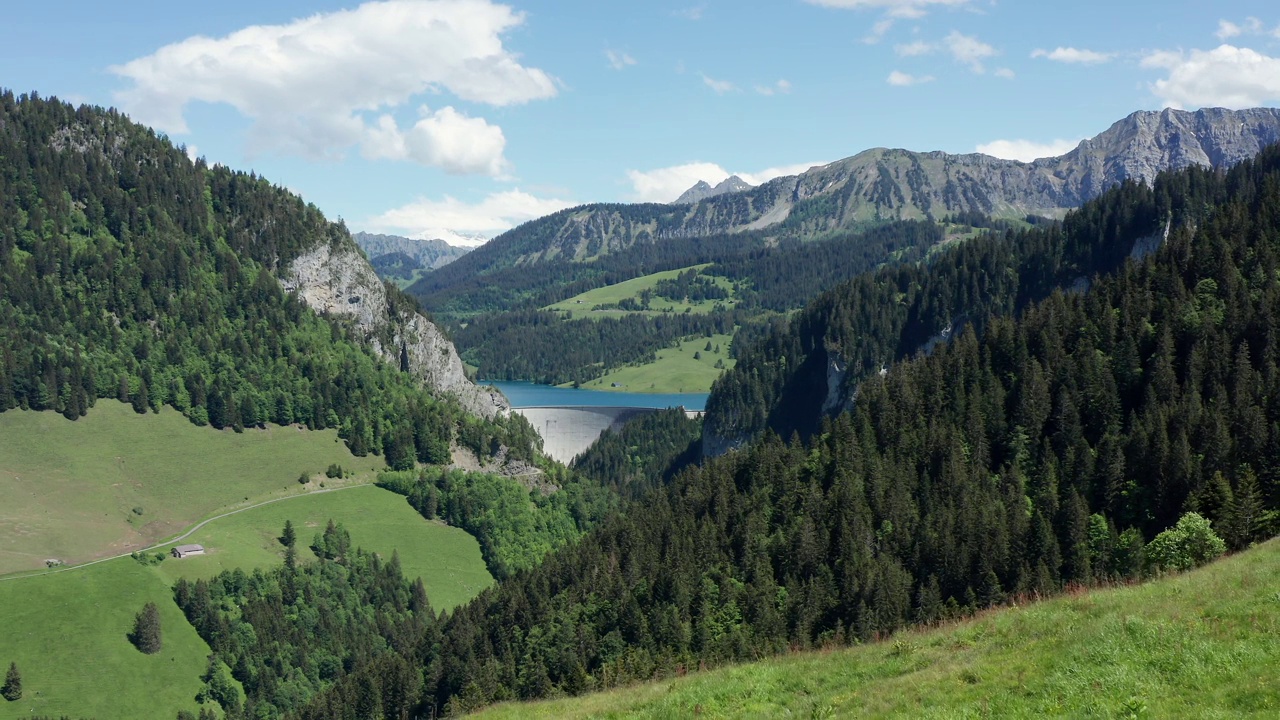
337 280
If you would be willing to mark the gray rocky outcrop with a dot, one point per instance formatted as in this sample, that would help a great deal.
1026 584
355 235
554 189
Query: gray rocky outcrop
335 279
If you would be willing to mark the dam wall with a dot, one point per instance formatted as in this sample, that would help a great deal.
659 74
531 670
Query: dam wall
567 431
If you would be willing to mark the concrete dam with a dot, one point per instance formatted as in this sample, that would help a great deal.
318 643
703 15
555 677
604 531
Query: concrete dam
568 430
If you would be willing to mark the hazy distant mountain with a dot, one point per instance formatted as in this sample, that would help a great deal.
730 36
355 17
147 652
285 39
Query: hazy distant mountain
881 184
428 254
701 190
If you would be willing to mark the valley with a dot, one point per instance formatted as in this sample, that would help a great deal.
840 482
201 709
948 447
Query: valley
911 433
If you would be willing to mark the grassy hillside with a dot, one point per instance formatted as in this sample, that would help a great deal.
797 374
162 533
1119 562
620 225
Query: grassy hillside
675 371
1197 645
54 623
446 558
581 305
114 480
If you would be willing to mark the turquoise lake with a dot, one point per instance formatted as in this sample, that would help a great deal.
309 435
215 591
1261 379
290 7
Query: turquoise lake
524 394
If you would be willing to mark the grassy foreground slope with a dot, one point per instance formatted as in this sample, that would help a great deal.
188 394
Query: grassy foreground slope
1196 645
67 630
68 490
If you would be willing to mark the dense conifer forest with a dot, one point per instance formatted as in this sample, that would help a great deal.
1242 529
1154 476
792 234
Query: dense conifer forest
129 271
1052 443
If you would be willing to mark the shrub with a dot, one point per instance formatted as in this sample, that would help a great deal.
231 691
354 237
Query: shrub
333 471
1190 543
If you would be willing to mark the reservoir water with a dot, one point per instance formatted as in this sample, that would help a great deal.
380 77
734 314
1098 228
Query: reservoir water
525 394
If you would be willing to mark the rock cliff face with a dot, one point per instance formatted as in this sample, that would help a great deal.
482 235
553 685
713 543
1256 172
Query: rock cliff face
337 280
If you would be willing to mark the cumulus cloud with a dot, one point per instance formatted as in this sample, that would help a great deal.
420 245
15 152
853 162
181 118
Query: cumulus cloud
968 50
666 184
782 87
901 79
1072 55
1226 76
307 85
1026 150
619 60
449 217
445 138
1005 73
719 86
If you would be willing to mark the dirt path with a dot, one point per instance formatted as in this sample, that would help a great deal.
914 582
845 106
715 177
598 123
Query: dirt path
184 535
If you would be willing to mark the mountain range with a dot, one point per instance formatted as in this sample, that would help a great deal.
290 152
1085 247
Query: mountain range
429 254
883 184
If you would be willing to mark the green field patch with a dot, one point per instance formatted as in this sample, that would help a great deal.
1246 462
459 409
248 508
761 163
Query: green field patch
1196 645
581 306
446 558
67 630
67 633
115 481
689 368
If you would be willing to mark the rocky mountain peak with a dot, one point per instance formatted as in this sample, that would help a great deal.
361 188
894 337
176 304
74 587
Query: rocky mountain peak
702 190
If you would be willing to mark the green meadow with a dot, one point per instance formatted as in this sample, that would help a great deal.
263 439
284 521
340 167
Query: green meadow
115 481
581 305
68 489
676 370
1199 645
55 622
446 558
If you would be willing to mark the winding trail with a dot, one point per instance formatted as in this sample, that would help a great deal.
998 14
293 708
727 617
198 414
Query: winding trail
186 534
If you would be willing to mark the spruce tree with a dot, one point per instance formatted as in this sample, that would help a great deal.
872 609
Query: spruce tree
12 689
288 537
146 630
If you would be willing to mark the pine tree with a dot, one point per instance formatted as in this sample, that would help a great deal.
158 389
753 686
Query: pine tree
146 630
12 689
288 537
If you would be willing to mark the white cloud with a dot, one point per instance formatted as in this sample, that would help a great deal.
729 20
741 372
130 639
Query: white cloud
892 8
1073 55
619 60
719 86
306 85
1026 150
666 184
193 153
445 138
1005 73
447 218
1250 26
691 13
912 49
968 50
782 87
901 79
1226 76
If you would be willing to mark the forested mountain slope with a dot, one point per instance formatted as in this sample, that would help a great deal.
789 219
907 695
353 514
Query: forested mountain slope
813 364
1054 446
1042 451
129 271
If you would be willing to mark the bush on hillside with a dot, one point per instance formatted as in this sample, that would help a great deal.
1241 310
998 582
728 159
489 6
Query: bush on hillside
1190 543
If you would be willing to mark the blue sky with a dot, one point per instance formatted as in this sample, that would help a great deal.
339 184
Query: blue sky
441 117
